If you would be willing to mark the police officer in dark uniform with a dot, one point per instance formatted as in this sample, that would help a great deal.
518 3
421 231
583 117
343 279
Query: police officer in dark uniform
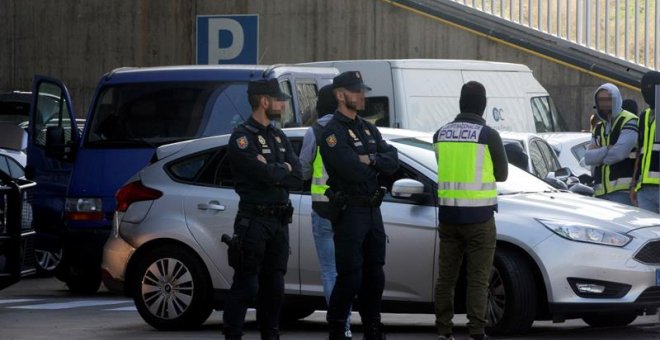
265 168
354 153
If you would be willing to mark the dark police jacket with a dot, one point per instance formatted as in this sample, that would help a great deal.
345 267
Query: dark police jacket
256 182
343 140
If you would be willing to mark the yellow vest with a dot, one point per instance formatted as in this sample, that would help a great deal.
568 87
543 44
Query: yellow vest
465 168
649 173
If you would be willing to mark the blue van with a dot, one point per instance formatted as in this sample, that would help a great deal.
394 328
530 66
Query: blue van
133 111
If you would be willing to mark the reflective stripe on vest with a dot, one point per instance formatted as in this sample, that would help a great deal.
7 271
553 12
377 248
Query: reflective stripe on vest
319 179
465 168
649 149
606 182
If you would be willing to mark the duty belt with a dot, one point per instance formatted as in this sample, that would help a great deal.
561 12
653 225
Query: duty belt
265 210
367 201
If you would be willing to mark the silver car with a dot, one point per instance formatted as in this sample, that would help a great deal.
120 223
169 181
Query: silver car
559 255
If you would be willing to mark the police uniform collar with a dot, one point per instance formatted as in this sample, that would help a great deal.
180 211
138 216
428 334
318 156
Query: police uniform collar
471 117
343 118
254 126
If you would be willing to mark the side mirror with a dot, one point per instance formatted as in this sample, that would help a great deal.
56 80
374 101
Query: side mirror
563 173
409 189
55 143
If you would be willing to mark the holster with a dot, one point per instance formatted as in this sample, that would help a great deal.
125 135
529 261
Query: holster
337 204
287 214
234 252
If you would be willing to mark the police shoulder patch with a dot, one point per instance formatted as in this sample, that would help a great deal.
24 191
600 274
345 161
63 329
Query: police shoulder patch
242 142
331 140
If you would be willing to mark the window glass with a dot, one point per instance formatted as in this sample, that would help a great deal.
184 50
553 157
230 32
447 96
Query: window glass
579 150
187 169
150 113
52 111
218 172
15 168
552 164
307 97
229 109
288 116
539 166
4 167
546 115
376 111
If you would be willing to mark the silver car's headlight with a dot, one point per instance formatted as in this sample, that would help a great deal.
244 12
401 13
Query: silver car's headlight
585 233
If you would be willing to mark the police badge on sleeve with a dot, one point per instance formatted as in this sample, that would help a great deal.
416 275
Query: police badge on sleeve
331 140
242 142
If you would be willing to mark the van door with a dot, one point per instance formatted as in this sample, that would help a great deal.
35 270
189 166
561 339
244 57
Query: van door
52 144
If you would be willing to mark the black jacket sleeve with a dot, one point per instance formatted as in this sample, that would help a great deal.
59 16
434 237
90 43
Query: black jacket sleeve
338 155
387 157
293 181
498 155
244 160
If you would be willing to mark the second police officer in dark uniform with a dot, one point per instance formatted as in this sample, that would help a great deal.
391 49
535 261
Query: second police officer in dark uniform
354 153
265 168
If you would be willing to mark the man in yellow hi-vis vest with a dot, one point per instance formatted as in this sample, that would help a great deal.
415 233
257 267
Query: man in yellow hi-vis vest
471 158
612 148
644 188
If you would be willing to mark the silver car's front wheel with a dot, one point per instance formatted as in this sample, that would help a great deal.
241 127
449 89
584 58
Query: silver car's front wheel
171 288
511 306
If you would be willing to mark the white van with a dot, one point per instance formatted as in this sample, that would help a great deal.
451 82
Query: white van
422 94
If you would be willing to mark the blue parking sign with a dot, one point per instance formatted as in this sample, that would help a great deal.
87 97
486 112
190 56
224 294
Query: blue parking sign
227 39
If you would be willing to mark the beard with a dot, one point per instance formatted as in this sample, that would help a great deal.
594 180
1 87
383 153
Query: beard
353 105
274 115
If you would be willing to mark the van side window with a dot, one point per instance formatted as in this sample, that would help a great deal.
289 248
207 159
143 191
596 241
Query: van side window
52 110
376 111
546 115
288 116
230 108
307 97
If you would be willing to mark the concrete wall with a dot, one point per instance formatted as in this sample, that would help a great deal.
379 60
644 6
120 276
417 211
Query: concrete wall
80 41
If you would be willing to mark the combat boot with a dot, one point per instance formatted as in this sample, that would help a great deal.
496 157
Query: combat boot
374 330
336 330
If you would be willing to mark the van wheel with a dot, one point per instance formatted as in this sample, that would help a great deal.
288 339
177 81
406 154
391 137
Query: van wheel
612 319
48 261
171 289
511 306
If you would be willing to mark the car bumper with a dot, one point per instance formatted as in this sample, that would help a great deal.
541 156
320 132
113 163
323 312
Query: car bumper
630 284
116 254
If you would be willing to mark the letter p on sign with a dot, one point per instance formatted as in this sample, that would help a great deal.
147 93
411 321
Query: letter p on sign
227 39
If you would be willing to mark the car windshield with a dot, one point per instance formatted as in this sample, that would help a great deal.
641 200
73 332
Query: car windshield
518 181
152 114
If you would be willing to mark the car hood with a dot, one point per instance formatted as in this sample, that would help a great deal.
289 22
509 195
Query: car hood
577 208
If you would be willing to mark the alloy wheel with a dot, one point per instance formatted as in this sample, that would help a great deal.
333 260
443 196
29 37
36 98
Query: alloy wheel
167 288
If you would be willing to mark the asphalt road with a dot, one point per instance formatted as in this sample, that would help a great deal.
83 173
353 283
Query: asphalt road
44 309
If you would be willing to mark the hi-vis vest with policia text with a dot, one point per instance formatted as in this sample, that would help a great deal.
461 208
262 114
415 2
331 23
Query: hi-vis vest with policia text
650 152
319 178
618 176
466 177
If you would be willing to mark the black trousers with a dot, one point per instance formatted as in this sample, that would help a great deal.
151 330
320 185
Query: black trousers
265 247
360 257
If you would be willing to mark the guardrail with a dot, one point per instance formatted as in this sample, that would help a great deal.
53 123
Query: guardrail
626 29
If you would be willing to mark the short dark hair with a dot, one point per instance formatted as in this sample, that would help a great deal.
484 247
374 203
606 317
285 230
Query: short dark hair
254 100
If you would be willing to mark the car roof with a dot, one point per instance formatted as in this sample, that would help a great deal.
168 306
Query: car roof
519 136
204 143
566 137
208 73
16 96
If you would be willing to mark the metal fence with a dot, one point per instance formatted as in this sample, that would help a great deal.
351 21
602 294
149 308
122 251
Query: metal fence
626 29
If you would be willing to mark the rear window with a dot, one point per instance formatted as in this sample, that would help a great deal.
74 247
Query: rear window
14 112
151 114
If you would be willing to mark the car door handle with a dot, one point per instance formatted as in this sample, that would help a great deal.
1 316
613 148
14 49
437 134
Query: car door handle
211 206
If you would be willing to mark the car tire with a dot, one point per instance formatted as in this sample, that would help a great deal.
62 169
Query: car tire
511 306
610 320
171 303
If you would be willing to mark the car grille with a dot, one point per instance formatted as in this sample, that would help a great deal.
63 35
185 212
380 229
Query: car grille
650 295
650 253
